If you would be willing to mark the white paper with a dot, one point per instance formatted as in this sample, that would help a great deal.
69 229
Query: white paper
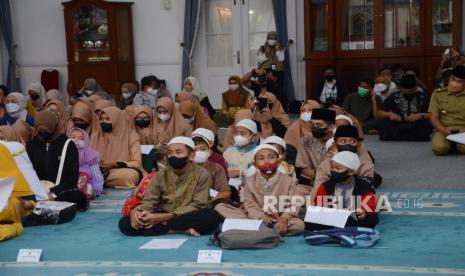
146 149
29 255
458 138
241 224
163 244
6 187
327 216
209 256
213 193
235 182
53 205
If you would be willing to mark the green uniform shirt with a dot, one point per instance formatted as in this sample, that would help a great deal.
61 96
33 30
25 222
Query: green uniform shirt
449 106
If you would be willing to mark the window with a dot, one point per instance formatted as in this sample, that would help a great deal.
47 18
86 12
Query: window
442 22
319 27
218 21
402 23
261 21
357 25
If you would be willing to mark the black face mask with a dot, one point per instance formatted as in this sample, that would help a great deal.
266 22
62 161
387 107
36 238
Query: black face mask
142 123
34 97
82 126
347 147
270 86
338 177
319 132
106 127
330 78
409 97
176 162
45 136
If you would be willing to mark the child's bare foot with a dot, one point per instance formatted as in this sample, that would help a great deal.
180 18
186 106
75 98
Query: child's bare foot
192 232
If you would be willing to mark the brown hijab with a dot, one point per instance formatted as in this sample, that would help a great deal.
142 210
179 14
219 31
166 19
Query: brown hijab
63 116
101 104
132 111
277 110
8 133
175 126
299 128
116 145
84 109
94 98
185 96
201 119
24 131
49 121
236 98
240 115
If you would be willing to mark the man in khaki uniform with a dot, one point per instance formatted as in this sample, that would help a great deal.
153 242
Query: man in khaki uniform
447 108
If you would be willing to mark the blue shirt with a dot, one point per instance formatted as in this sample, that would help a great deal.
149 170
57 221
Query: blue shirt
8 120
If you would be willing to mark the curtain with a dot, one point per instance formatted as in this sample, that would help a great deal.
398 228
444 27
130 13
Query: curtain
191 22
6 31
280 17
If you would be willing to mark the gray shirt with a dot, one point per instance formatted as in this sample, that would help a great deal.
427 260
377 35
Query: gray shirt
144 98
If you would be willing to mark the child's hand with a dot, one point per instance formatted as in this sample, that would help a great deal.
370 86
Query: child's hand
361 213
281 224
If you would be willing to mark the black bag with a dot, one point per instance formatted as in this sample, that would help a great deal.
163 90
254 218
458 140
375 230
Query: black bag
52 212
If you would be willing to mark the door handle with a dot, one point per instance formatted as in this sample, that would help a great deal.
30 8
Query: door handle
238 57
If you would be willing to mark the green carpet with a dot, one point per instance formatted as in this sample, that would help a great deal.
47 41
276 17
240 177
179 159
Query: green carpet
415 240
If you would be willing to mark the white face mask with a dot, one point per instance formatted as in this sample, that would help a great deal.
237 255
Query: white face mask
271 42
164 117
126 95
89 92
201 156
233 87
79 143
379 87
306 116
152 91
11 108
241 140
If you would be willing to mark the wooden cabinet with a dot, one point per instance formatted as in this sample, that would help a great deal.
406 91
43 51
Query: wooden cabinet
99 41
360 36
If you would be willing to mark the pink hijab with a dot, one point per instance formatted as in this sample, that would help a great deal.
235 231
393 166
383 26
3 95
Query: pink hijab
87 156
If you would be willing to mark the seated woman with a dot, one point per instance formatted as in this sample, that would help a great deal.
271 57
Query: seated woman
267 124
267 182
128 92
273 104
300 128
37 98
234 99
83 116
45 151
346 186
15 105
162 210
170 122
24 131
99 105
219 191
53 94
240 115
192 86
89 160
58 107
195 116
92 87
120 150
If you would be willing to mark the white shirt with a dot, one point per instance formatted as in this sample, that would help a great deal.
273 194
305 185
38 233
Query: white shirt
329 91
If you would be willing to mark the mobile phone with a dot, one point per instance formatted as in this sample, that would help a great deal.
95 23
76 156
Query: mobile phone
273 67
262 103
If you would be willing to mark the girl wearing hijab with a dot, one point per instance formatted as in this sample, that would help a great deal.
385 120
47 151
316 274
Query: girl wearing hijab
141 120
58 107
92 87
37 98
192 86
169 122
15 105
100 105
88 160
45 151
53 94
83 116
120 150
24 131
302 126
128 92
196 117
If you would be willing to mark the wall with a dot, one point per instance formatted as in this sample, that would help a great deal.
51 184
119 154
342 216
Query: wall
40 35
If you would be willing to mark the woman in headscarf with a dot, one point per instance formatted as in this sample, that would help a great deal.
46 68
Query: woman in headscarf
302 126
89 160
83 116
100 105
128 92
15 105
24 131
271 53
58 107
196 117
53 94
45 151
92 87
95 98
192 86
275 107
235 98
240 115
169 122
37 98
141 120
120 152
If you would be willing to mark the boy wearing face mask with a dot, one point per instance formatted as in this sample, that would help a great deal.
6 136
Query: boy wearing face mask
220 190
177 200
404 115
346 138
215 157
312 148
149 92
348 191
267 183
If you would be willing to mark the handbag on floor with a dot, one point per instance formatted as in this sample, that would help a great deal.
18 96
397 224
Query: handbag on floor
266 237
52 212
352 236
134 200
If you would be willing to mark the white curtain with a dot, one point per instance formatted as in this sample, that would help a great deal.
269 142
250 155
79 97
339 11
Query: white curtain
218 23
